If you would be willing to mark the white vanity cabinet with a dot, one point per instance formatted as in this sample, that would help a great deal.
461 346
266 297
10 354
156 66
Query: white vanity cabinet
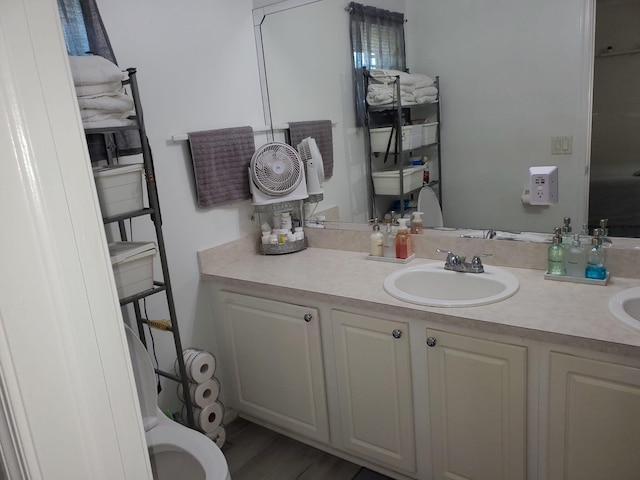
478 399
277 368
594 419
373 364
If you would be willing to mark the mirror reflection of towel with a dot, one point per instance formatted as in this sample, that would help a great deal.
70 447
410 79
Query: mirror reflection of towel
322 132
221 161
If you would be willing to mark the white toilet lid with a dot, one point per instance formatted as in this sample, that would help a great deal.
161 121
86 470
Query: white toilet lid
429 205
176 438
145 376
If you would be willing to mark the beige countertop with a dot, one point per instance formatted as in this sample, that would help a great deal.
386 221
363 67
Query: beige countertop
567 313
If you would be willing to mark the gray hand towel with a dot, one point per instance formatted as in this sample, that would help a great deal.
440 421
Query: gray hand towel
322 132
221 161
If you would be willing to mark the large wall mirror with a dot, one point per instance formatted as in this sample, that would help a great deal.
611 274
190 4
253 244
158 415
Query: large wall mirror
512 77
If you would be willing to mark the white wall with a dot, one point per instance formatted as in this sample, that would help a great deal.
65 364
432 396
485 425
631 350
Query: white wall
495 58
197 70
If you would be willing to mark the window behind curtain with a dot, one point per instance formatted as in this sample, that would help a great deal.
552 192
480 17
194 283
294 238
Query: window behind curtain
377 41
73 27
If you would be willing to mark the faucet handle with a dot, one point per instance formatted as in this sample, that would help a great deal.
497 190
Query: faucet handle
452 258
476 262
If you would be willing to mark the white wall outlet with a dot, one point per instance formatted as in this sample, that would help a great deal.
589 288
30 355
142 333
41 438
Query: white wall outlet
562 145
543 185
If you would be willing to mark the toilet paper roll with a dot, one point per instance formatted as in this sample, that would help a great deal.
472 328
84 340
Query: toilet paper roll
208 418
219 436
199 365
201 394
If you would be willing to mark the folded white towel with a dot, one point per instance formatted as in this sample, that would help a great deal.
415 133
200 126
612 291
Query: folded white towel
88 91
93 114
108 122
94 70
387 97
116 102
406 79
424 91
426 99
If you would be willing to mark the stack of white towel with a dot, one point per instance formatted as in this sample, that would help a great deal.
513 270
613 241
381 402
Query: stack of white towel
415 88
101 96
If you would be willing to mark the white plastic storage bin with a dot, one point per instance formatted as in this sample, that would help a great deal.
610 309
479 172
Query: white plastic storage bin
132 264
119 188
411 138
388 182
429 133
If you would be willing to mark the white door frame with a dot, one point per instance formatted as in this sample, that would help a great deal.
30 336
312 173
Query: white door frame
68 392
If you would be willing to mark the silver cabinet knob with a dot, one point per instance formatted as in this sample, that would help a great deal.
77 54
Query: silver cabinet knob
431 341
308 317
397 333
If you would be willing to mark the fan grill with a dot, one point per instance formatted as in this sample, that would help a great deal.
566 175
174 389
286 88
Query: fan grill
276 169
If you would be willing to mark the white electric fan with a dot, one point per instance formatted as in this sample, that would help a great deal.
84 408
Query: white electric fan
314 169
276 174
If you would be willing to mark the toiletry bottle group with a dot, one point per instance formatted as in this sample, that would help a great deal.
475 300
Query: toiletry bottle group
575 258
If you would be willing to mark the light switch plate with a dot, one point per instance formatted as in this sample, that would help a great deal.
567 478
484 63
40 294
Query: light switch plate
562 145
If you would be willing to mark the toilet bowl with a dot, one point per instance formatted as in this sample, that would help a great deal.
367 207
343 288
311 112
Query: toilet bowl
429 205
175 451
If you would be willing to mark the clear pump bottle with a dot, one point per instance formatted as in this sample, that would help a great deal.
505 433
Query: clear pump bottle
556 255
567 237
575 258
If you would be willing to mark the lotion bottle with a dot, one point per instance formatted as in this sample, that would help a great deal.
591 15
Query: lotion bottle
376 247
555 255
403 240
576 258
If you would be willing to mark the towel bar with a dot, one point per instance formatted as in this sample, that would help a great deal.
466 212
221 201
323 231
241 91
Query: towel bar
265 128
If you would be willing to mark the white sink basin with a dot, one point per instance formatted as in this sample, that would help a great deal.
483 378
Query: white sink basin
434 286
625 306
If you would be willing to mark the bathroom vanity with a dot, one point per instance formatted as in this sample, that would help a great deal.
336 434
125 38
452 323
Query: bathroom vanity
542 385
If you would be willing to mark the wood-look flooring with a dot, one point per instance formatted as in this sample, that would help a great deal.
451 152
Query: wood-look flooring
256 453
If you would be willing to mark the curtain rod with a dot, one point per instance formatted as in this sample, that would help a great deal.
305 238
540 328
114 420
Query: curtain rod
349 9
261 129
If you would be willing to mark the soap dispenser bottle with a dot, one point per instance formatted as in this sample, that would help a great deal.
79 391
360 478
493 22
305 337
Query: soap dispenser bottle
597 258
404 248
389 240
567 237
376 246
416 223
556 255
576 258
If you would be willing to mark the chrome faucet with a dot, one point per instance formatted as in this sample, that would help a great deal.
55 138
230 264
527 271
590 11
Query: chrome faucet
456 263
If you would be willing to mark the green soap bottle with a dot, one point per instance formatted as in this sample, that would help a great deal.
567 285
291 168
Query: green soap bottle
556 255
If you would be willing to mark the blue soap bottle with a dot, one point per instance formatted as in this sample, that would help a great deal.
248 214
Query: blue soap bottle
597 258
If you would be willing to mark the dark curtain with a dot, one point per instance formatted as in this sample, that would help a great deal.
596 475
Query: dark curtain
377 41
84 34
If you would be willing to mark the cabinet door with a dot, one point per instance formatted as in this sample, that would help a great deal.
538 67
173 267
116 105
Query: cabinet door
374 388
594 420
277 363
477 392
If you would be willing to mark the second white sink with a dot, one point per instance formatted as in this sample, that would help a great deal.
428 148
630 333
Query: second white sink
432 285
625 306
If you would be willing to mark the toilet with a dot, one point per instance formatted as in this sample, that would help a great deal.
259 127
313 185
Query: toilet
429 205
175 451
